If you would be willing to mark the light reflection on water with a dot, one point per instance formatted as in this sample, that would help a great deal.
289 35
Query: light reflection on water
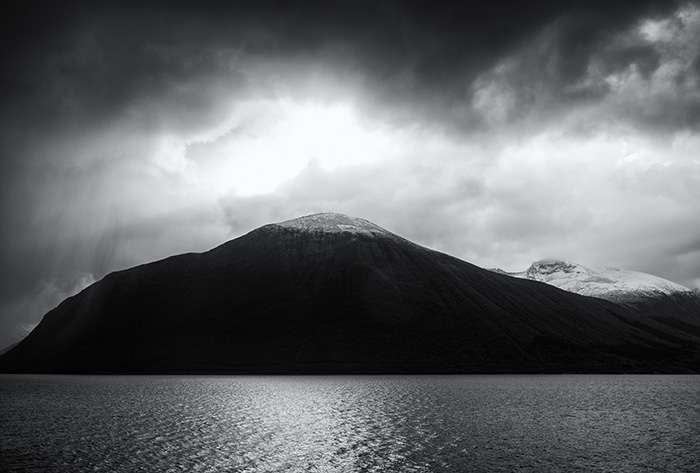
353 423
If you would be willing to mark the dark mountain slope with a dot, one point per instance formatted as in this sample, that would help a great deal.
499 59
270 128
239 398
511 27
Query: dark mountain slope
676 311
339 295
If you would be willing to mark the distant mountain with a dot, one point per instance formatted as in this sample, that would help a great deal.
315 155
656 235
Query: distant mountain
653 297
329 293
605 283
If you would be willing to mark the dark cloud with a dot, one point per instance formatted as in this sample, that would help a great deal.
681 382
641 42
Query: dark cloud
639 72
91 60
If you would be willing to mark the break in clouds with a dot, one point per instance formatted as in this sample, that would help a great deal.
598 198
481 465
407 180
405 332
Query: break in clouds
500 133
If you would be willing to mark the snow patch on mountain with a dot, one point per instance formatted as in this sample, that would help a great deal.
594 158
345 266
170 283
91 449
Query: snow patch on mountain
613 284
334 223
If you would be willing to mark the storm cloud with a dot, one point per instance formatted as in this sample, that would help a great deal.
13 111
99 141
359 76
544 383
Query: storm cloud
499 132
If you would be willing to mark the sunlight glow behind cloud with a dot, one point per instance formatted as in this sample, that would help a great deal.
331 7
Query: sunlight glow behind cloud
270 142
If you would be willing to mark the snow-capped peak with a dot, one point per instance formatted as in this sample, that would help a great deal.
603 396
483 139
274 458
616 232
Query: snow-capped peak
333 223
606 283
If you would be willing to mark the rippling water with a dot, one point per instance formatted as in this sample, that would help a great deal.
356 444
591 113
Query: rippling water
350 423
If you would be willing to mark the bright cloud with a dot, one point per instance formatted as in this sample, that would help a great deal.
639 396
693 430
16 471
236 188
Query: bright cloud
273 141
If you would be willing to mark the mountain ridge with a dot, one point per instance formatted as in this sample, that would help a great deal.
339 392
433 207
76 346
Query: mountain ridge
608 283
310 296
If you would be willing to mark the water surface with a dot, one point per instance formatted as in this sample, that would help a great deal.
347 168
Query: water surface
350 423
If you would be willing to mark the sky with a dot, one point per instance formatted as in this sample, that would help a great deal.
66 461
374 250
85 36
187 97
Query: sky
499 132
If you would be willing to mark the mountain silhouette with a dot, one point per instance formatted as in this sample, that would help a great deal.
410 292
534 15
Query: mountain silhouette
329 293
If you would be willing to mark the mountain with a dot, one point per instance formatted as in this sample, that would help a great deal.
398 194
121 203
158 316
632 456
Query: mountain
650 296
605 283
329 293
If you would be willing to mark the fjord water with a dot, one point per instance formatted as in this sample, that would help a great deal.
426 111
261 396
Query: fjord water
350 423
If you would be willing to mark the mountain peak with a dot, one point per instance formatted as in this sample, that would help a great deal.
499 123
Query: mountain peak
332 222
550 266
